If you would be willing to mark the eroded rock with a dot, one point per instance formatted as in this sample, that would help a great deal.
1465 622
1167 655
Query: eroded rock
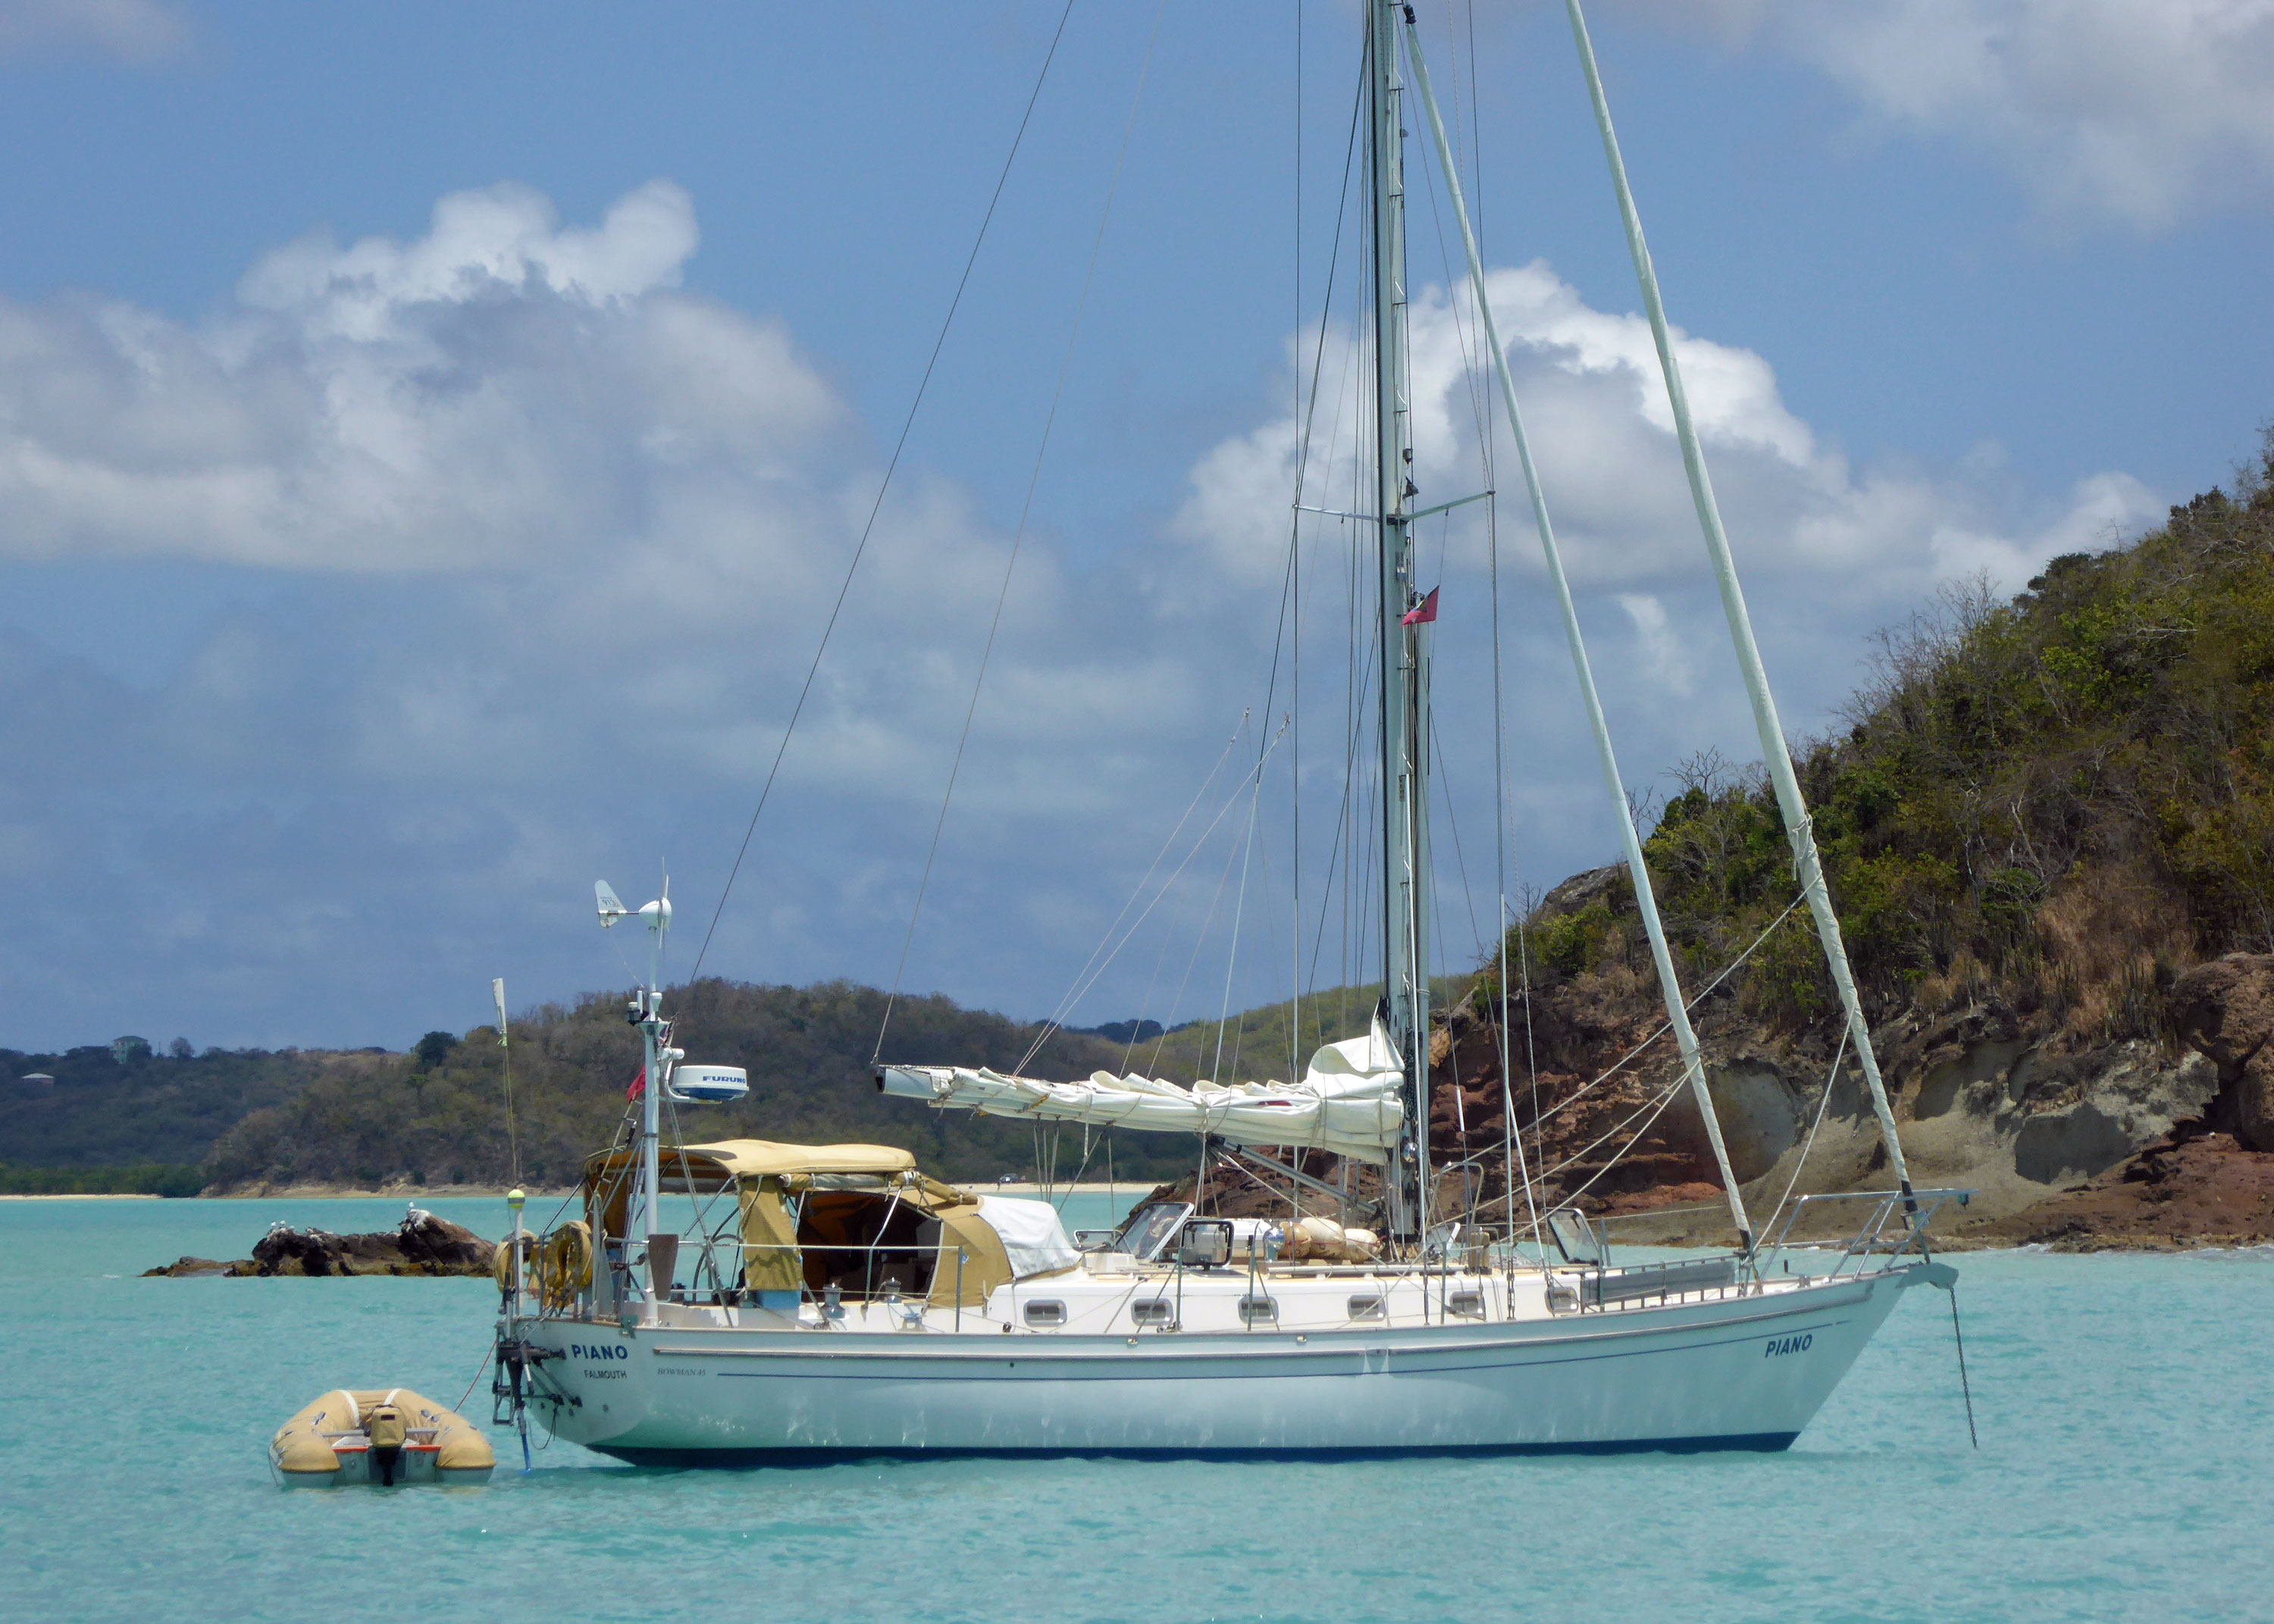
421 1245
2224 1010
2192 1187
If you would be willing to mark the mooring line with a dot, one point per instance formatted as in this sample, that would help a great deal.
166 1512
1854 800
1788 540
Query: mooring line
1964 1386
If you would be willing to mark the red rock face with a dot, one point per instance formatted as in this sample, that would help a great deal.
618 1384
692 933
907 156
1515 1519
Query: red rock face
2193 1187
1581 1139
2225 1010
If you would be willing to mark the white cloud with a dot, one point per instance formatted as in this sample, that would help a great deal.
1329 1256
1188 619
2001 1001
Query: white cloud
1664 660
1595 408
2102 510
2125 109
499 390
549 540
131 31
556 540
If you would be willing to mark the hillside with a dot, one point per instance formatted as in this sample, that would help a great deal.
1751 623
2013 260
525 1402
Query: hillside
161 1107
436 1116
2038 814
2042 822
439 1118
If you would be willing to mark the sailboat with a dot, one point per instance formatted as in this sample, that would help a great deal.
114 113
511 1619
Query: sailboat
836 1300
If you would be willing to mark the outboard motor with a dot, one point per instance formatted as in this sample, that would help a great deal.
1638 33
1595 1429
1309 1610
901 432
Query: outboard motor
386 1431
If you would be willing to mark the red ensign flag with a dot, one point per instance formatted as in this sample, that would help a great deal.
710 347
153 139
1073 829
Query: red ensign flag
639 1086
1423 612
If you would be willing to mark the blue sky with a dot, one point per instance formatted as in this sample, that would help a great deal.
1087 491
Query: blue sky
430 441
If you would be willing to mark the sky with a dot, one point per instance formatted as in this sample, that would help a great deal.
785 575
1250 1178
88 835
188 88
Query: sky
432 441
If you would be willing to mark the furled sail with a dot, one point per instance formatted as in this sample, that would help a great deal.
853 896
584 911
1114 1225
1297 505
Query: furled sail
1348 1101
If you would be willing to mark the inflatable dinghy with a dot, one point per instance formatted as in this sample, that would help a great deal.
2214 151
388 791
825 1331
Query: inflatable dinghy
384 1436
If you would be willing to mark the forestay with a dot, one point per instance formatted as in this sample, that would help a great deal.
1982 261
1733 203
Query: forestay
1347 1102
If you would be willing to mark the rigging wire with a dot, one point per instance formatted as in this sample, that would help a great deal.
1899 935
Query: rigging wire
1019 536
884 485
1663 1027
1290 593
1198 840
1215 902
1460 858
1342 826
1656 1109
1808 1143
1239 908
1084 978
1514 1164
1295 751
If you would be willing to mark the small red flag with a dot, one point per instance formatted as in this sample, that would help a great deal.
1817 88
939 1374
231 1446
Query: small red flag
1421 613
639 1086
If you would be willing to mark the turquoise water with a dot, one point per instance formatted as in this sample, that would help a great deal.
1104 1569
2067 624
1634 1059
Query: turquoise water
2126 1470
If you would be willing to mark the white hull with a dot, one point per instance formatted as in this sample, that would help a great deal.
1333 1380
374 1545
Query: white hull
1736 1372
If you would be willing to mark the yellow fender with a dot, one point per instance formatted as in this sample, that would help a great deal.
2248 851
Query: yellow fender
502 1265
565 1267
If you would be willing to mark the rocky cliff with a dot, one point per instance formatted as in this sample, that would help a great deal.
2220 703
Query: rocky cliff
2047 824
1984 1098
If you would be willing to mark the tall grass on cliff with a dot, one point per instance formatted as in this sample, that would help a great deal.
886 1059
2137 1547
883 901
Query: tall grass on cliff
2058 800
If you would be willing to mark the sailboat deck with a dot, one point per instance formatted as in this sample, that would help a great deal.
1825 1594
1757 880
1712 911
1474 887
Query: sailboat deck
1311 1299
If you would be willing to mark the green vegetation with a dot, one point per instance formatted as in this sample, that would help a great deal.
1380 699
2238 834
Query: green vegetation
1253 1044
2056 800
437 1116
157 1178
103 1113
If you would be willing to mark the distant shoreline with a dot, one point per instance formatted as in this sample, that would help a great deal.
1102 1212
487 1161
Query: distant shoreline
106 1195
352 1193
446 1192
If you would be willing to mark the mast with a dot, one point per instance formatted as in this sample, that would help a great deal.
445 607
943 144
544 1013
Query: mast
1792 806
1677 1011
1405 648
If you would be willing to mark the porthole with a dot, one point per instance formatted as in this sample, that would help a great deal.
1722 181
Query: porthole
1368 1307
1158 1311
1258 1311
1046 1313
1466 1305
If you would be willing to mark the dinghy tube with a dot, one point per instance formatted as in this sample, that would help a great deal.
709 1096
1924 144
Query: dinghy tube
381 1435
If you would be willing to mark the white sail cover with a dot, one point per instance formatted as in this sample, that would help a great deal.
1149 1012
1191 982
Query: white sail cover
1348 1101
1033 1238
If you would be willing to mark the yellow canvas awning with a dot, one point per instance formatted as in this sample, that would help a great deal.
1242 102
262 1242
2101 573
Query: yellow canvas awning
710 1166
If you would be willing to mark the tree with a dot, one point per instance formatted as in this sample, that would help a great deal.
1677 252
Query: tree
434 1048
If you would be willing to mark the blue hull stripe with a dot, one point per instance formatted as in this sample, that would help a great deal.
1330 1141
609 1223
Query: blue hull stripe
1764 1443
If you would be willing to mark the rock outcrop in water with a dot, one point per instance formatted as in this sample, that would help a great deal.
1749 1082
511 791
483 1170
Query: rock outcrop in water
421 1245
